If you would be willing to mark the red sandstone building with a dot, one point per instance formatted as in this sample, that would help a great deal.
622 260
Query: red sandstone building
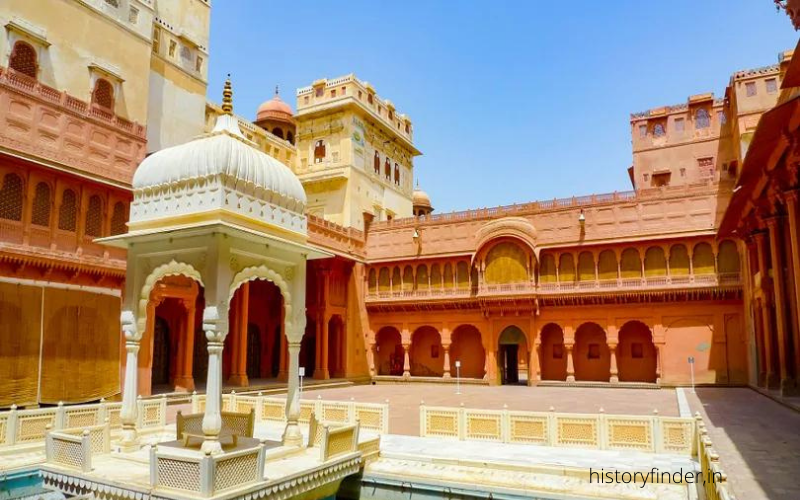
698 261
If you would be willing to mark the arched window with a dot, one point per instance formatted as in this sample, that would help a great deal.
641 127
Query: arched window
277 132
11 197
655 262
658 130
376 163
118 219
586 267
319 151
678 260
94 217
703 259
387 169
103 94
728 257
67 213
41 205
607 265
23 59
396 174
290 137
702 118
630 264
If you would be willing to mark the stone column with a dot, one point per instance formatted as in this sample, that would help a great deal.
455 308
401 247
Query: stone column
406 360
779 289
612 348
216 330
238 374
317 347
325 373
292 435
570 364
185 379
446 348
534 372
130 439
771 378
659 364
282 370
373 359
794 237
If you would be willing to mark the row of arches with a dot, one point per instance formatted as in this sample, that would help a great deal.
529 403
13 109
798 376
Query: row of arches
64 209
508 262
678 260
590 356
421 277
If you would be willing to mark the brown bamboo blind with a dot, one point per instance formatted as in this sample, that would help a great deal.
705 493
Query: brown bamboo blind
20 330
81 352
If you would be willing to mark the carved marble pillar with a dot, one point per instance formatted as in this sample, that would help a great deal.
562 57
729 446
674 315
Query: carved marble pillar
292 435
570 363
786 384
317 347
216 330
130 439
406 360
446 349
659 363
282 370
612 348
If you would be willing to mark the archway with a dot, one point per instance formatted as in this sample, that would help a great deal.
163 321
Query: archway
336 347
252 350
427 356
636 353
553 357
389 352
512 349
467 347
167 350
592 357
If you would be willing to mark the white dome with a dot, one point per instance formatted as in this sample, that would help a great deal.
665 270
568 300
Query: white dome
224 152
220 170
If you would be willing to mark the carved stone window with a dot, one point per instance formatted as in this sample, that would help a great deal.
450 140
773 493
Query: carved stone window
23 59
11 198
103 94
642 131
94 217
658 130
376 163
387 169
772 86
396 174
750 89
702 119
68 211
680 125
41 205
118 218
319 151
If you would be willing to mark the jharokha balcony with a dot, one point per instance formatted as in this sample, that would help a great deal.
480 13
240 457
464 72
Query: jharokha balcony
46 125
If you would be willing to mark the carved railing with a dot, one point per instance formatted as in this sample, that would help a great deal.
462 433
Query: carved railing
535 207
338 238
653 434
47 123
371 416
569 287
715 480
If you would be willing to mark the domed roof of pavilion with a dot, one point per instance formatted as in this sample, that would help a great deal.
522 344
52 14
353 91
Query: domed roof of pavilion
219 170
275 109
420 198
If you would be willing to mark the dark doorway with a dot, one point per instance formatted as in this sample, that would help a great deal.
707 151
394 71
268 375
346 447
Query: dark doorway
308 353
509 357
276 352
253 352
161 352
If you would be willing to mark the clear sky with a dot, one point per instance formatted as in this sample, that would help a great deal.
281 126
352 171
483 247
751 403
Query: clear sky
510 101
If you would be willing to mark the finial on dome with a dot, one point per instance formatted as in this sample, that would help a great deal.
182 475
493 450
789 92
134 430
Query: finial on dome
227 97
276 90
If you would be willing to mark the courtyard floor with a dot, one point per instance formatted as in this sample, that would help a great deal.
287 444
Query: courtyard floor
404 400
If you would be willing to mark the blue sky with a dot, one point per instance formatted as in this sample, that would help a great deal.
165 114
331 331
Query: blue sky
511 101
